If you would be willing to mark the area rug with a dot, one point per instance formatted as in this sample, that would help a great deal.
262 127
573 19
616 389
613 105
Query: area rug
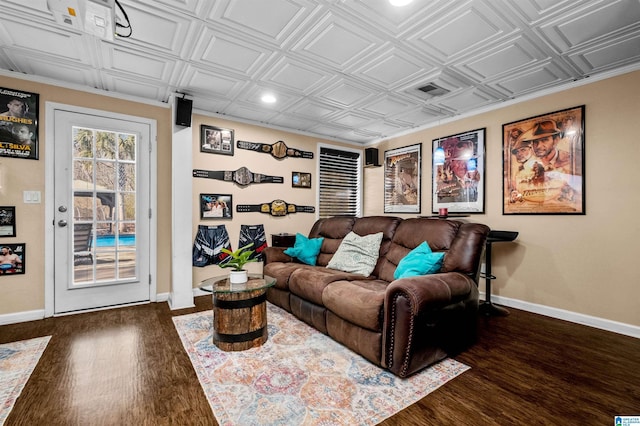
299 377
17 361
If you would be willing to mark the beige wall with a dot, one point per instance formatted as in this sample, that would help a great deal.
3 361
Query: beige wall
26 292
584 264
255 193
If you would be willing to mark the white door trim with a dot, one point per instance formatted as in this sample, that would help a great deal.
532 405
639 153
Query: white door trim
49 204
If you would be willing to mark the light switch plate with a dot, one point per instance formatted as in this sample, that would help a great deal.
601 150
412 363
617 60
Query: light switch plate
31 197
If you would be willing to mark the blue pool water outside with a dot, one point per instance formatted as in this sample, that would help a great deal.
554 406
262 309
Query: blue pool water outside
110 240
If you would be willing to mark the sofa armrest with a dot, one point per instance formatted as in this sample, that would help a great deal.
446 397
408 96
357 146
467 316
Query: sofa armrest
276 254
421 314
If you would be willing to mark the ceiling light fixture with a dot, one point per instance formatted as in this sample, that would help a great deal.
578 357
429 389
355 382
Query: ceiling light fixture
400 3
268 99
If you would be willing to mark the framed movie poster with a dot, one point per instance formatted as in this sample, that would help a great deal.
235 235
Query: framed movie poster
18 124
543 165
7 221
300 180
402 174
215 140
12 259
458 172
216 206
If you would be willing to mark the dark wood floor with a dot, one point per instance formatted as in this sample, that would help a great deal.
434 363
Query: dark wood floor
128 367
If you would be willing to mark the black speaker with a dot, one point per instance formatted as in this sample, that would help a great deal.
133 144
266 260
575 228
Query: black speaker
371 157
183 112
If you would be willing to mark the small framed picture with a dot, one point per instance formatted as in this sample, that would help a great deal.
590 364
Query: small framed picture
215 140
300 180
12 259
7 221
216 206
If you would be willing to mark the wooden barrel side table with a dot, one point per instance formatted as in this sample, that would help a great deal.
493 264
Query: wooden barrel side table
239 312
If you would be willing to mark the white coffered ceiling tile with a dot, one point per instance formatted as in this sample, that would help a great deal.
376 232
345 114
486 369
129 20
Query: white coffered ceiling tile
58 70
313 110
335 131
290 122
158 29
588 25
336 42
127 60
345 93
535 10
623 52
292 75
467 100
383 128
389 67
196 80
253 95
514 54
463 30
193 7
250 112
226 52
210 104
418 116
272 21
532 80
135 87
388 105
350 119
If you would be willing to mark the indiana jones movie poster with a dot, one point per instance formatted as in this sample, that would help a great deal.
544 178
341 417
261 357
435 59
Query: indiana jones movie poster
18 124
544 164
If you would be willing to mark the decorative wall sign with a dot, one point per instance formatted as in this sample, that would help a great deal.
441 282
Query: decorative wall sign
216 206
19 124
275 208
7 221
543 164
300 180
215 140
278 149
458 172
242 176
12 259
402 174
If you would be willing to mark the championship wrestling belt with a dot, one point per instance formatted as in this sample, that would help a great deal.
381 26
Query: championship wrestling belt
279 149
242 176
274 208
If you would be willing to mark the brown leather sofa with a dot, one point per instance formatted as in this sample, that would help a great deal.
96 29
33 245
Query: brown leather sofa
402 325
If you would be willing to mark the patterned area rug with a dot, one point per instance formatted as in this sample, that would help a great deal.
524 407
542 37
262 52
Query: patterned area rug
17 361
299 376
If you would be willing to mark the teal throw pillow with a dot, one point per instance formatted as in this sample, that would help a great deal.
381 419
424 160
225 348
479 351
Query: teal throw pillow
305 249
420 261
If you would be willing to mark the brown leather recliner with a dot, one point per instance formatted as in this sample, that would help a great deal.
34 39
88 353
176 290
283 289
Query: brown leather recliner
402 325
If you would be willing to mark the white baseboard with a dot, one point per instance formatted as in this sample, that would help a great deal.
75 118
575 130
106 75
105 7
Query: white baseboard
601 323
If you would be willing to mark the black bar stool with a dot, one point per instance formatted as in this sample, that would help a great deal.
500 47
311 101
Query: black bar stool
487 308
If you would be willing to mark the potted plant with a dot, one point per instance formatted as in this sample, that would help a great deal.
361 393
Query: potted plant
236 260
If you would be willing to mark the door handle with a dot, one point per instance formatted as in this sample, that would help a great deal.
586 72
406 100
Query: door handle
62 223
62 209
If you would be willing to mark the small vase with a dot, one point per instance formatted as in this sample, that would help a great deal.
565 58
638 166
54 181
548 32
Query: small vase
238 277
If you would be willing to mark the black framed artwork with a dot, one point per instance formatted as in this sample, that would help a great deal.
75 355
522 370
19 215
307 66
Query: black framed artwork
216 206
458 172
19 124
12 259
402 177
216 140
543 163
300 180
7 221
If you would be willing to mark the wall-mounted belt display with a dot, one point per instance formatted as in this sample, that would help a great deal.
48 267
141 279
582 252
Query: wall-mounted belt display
275 208
242 176
278 150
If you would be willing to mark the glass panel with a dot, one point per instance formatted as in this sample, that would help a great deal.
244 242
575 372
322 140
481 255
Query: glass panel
105 264
105 145
105 175
127 177
83 206
127 264
128 207
82 142
83 175
127 147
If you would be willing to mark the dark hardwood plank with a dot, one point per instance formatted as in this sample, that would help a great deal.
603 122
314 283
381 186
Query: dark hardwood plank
128 366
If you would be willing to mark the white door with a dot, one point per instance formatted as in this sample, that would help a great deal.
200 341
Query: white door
101 218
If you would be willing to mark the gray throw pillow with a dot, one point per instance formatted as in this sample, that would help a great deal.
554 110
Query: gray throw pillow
357 254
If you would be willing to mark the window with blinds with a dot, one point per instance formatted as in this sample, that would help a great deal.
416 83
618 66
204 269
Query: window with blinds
339 183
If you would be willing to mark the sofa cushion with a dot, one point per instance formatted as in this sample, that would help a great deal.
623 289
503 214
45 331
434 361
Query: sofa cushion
305 249
357 254
309 282
420 261
359 301
281 271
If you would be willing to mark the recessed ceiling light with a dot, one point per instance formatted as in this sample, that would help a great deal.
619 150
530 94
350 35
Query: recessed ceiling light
268 98
400 3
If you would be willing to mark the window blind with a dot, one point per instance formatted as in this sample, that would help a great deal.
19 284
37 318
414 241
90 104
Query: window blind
339 183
